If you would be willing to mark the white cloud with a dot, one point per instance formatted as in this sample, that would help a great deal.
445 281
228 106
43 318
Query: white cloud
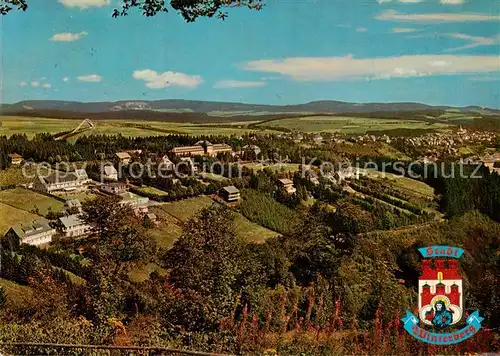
452 2
348 68
23 84
361 29
474 41
84 4
227 84
47 86
391 15
404 30
65 79
68 36
34 84
89 78
157 80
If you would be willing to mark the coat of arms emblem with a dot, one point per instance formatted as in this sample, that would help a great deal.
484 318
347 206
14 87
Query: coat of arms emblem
441 299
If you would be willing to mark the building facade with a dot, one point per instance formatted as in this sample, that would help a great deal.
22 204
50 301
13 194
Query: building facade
73 226
35 233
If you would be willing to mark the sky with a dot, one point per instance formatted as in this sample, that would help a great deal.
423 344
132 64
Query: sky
439 52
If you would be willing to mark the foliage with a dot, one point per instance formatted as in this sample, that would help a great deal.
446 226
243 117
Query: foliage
189 9
262 209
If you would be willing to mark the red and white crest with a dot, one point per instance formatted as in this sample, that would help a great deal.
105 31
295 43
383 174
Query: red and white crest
440 281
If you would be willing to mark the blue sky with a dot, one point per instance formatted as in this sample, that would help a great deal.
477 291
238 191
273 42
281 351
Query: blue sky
293 51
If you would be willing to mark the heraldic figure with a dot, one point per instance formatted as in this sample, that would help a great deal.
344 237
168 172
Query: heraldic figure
441 317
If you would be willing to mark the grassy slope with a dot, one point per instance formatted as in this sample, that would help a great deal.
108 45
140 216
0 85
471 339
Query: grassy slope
152 190
405 183
16 293
172 215
11 216
26 200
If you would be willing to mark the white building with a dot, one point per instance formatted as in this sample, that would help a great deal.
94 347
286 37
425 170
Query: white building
73 226
62 181
110 173
114 188
73 204
35 233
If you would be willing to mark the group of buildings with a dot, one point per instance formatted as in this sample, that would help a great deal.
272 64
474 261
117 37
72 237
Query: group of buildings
42 231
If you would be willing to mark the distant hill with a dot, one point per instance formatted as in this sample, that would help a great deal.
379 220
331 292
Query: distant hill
224 108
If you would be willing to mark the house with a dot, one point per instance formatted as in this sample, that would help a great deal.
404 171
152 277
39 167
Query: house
166 163
73 205
287 184
61 181
35 233
73 226
123 157
230 194
152 218
16 159
137 203
82 176
114 188
110 173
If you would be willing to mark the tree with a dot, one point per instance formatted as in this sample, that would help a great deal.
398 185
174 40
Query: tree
119 244
204 264
189 9
3 297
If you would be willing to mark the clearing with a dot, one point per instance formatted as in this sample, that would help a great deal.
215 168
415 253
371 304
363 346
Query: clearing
11 216
27 200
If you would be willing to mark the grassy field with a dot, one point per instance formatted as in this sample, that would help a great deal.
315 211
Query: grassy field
140 274
356 125
404 183
16 293
168 229
12 216
30 126
173 215
152 190
27 200
212 177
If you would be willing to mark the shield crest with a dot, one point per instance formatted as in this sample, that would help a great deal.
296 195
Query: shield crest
440 293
